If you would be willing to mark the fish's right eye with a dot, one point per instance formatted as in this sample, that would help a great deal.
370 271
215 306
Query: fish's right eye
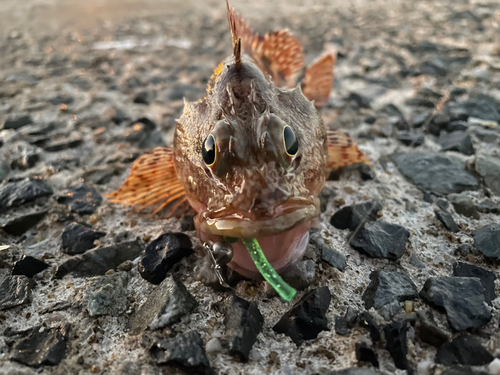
209 151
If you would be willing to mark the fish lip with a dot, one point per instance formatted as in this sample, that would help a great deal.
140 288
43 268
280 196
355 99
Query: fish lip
236 225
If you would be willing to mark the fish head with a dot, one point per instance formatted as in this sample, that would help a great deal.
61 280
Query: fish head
251 158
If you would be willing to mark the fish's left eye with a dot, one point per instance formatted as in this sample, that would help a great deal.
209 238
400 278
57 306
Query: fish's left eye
290 141
209 151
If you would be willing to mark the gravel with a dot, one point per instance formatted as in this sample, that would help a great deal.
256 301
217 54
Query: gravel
83 94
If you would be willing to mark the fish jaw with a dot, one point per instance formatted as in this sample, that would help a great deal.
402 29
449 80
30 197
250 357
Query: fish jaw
283 239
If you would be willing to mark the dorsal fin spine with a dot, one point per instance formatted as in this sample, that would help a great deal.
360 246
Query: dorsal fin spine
236 40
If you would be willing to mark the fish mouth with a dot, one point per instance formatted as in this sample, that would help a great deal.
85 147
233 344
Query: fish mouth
283 238
231 223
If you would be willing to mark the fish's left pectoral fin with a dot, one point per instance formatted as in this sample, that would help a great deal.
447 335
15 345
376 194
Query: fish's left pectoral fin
318 78
343 151
152 186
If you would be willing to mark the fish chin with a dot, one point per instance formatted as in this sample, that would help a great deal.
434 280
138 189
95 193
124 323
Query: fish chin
283 238
281 250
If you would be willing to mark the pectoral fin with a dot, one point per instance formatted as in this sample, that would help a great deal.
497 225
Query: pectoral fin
342 151
153 185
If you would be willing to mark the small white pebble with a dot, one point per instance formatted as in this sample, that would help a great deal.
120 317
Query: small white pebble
423 367
494 367
213 345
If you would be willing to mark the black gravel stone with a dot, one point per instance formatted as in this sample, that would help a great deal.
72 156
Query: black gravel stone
411 138
16 121
459 141
243 323
488 207
29 266
463 370
438 124
463 350
42 347
144 97
487 278
307 317
422 168
162 254
487 240
78 238
457 126
365 353
22 223
354 371
166 304
351 217
62 144
14 194
489 169
416 262
464 249
325 196
334 258
481 106
381 240
186 350
23 155
61 99
388 285
100 260
360 100
463 205
344 324
430 333
395 337
442 204
447 220
462 298
187 223
366 321
14 291
80 198
420 102
107 295
301 275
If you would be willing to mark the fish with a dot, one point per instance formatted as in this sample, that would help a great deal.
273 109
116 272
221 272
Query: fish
251 157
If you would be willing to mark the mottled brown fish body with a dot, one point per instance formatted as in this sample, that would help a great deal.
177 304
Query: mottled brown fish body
250 158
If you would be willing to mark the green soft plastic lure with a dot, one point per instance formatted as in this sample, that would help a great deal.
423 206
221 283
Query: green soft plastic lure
284 290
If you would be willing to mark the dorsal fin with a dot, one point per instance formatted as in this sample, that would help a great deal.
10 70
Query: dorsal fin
232 17
277 54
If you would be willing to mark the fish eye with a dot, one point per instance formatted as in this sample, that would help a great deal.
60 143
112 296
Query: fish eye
209 151
290 141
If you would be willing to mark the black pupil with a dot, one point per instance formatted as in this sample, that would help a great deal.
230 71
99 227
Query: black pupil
208 150
291 143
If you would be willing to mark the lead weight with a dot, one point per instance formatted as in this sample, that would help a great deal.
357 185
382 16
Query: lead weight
223 252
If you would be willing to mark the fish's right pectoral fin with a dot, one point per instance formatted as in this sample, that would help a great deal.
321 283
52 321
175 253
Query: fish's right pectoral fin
318 78
343 151
152 186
